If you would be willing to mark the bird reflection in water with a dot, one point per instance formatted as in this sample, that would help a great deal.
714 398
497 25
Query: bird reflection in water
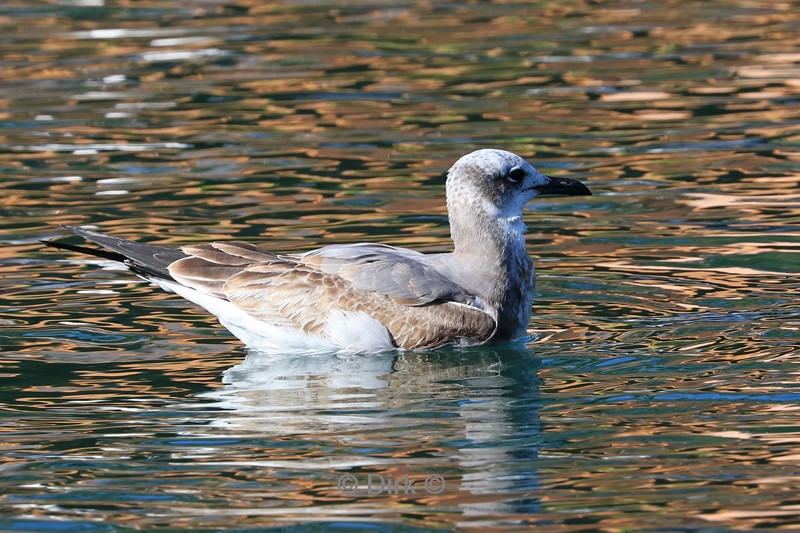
470 415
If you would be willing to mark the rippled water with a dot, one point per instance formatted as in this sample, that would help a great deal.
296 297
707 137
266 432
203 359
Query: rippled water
661 392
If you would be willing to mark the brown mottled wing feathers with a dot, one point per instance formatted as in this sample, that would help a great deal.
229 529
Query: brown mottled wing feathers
304 296
289 293
208 266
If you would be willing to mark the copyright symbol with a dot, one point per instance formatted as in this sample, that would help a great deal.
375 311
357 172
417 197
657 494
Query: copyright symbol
347 483
434 484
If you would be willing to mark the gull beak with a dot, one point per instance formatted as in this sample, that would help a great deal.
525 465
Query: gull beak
567 186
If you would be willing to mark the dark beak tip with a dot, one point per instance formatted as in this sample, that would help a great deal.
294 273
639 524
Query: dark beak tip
566 186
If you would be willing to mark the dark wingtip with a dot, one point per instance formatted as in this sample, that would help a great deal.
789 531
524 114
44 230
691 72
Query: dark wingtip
97 252
145 260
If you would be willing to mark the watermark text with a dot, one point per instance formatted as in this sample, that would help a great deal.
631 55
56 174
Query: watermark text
377 484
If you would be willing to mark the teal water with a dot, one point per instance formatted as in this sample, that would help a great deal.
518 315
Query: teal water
659 392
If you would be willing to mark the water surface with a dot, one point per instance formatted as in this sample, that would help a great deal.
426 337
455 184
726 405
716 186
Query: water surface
661 390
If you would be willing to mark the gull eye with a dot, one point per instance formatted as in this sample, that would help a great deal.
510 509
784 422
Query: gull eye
515 175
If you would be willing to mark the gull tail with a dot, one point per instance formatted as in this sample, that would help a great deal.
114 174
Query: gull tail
145 260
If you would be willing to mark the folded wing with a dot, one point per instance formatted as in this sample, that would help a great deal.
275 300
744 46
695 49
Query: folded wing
417 304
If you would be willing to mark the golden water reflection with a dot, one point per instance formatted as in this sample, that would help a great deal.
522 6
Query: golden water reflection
661 389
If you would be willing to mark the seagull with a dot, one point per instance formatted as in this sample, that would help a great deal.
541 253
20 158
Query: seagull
369 297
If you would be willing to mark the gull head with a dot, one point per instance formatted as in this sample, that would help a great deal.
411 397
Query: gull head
501 184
